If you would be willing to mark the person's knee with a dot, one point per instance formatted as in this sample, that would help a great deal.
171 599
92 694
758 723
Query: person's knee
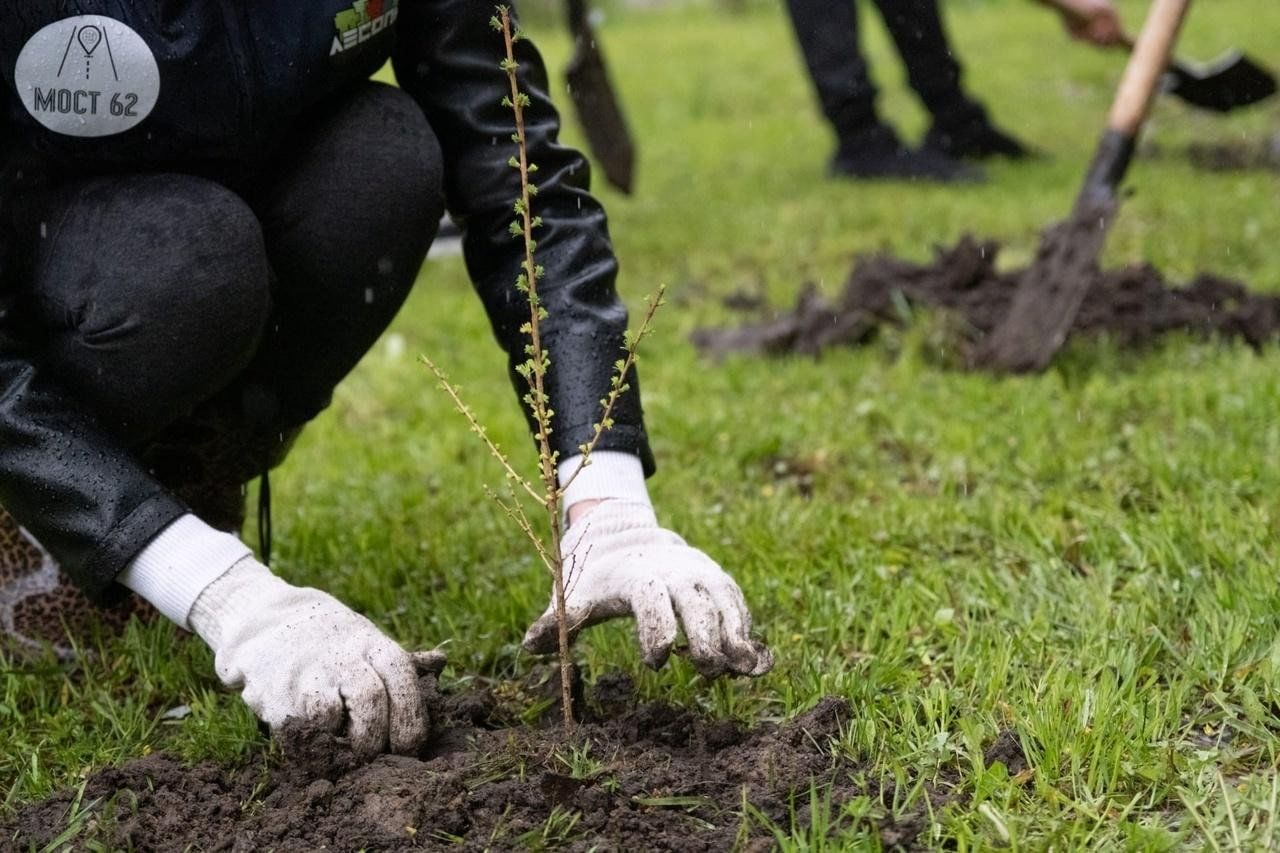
414 167
401 177
352 221
214 288
156 291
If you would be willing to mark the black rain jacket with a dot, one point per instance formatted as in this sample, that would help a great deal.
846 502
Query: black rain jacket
233 77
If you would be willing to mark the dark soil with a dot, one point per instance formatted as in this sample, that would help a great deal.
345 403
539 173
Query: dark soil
1249 154
657 778
1236 156
1134 306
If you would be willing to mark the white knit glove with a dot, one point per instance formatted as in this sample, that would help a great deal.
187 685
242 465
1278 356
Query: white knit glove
300 654
619 562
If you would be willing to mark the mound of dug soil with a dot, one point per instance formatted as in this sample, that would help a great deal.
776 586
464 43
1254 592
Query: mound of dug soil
634 777
1134 305
1236 156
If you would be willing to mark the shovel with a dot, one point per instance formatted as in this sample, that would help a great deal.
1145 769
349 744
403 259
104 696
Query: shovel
597 105
1066 264
1229 82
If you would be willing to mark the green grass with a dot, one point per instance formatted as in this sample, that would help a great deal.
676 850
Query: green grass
1087 557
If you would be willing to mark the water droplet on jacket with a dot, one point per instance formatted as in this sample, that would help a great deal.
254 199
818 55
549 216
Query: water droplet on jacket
368 295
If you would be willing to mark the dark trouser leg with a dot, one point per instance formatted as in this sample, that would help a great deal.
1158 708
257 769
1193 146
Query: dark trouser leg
348 219
151 291
932 70
827 31
961 127
347 227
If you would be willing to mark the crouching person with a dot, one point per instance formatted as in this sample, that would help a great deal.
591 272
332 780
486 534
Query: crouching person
189 267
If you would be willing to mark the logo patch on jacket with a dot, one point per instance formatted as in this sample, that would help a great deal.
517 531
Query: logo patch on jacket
87 75
364 20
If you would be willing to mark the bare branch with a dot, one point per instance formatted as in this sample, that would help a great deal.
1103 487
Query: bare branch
465 410
517 514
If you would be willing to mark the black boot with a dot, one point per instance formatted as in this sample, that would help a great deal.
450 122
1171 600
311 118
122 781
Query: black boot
974 137
877 153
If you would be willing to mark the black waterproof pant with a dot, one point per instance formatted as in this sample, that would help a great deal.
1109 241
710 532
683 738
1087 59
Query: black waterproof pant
158 293
827 31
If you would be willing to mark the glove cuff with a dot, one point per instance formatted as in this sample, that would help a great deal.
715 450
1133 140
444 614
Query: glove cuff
609 518
609 474
245 588
176 567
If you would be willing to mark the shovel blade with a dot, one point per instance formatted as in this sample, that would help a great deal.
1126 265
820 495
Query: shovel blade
1228 83
600 113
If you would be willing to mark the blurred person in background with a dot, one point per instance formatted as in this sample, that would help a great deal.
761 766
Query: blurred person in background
961 128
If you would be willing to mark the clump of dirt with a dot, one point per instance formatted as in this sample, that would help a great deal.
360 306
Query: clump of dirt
1006 750
796 472
1134 305
1236 156
634 776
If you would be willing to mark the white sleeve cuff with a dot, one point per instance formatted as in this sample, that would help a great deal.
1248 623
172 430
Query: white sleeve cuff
609 474
177 565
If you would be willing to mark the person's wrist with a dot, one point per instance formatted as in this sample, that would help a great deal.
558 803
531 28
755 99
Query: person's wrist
608 475
245 589
581 508
183 560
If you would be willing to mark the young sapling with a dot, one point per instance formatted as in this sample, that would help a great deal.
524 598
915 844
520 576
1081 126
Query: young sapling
547 492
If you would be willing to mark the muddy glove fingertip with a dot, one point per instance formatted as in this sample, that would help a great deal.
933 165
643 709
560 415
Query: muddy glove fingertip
429 662
542 636
367 713
764 660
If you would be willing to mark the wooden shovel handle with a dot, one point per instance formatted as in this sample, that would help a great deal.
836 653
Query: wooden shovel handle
576 13
1148 61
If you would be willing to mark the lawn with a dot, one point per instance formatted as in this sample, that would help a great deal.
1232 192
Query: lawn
1086 559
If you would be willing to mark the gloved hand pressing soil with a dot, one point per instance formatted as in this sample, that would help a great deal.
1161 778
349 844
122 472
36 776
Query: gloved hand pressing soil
300 655
619 562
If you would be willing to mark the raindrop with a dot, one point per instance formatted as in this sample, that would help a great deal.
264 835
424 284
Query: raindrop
368 295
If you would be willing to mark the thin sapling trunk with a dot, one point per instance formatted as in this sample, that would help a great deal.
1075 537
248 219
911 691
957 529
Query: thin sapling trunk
548 493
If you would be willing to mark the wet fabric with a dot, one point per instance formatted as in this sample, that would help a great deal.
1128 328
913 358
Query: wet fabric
278 293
